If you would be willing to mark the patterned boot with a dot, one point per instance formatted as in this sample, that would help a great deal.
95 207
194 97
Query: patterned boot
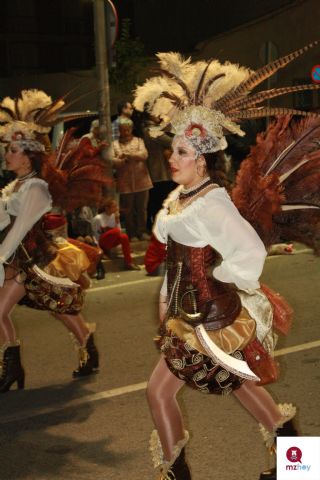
285 428
88 359
176 468
12 370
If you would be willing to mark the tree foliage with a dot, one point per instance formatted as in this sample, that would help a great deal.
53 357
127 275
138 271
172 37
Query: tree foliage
130 60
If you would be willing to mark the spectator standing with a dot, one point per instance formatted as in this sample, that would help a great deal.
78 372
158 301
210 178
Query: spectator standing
159 149
133 179
94 134
125 111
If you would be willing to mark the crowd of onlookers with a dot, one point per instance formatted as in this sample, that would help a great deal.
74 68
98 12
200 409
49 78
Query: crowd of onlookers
141 175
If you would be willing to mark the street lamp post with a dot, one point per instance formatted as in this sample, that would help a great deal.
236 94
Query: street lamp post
103 80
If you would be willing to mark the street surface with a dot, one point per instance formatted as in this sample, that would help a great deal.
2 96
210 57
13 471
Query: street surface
98 429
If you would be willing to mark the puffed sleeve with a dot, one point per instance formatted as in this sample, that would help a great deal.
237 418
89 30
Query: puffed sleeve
35 202
4 216
159 228
243 253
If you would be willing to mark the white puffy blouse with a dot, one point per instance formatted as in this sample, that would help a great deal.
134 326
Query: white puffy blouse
214 220
28 204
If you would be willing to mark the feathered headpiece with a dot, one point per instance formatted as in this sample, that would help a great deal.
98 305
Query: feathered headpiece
26 118
205 100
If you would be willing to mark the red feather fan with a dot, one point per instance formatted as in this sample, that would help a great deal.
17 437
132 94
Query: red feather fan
277 187
75 174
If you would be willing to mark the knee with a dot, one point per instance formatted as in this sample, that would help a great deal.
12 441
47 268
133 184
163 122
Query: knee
153 394
124 237
157 396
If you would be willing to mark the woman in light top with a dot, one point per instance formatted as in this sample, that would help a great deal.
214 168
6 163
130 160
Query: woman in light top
23 243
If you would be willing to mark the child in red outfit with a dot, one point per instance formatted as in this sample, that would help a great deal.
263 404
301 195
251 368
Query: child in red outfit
107 229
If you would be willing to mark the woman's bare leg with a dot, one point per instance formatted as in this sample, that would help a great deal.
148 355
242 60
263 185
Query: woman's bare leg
76 325
259 403
162 389
10 294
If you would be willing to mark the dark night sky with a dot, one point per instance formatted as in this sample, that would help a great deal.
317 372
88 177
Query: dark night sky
40 36
181 24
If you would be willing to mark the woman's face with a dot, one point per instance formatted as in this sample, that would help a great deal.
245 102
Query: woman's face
186 167
111 208
16 159
125 132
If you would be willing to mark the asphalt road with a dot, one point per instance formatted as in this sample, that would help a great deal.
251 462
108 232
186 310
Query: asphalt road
59 428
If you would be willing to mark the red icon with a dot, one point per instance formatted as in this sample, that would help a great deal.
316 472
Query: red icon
294 454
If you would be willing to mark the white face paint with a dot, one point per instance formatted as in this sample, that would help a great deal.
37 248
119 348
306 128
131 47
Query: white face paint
185 165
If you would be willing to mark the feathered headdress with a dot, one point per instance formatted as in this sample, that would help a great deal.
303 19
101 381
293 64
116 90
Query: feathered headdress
205 100
26 118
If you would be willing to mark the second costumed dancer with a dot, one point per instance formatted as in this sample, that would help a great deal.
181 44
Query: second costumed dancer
35 268
217 324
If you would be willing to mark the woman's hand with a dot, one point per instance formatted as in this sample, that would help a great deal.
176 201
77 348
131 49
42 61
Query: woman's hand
163 306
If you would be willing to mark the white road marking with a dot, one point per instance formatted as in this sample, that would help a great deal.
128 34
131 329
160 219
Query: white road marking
159 279
125 284
297 348
116 392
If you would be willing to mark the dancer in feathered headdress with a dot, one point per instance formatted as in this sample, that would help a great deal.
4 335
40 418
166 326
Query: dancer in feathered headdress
35 267
217 323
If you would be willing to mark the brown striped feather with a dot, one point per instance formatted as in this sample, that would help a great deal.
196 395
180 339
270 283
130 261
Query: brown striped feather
200 83
175 100
8 111
260 75
209 83
270 112
178 80
259 97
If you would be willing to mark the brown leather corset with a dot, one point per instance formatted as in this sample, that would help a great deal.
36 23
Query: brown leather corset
36 243
193 293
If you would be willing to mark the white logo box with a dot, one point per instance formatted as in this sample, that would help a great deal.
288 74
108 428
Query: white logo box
308 467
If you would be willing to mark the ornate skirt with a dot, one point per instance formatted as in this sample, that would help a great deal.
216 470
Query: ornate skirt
197 369
189 362
54 286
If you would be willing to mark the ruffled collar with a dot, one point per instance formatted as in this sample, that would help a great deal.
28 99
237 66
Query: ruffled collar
8 191
189 210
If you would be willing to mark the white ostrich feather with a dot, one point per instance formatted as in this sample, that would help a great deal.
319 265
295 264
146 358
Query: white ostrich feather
5 117
149 92
191 110
234 75
194 74
174 63
30 101
7 102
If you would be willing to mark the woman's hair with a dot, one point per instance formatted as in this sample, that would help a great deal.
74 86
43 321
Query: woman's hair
215 164
37 160
107 202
